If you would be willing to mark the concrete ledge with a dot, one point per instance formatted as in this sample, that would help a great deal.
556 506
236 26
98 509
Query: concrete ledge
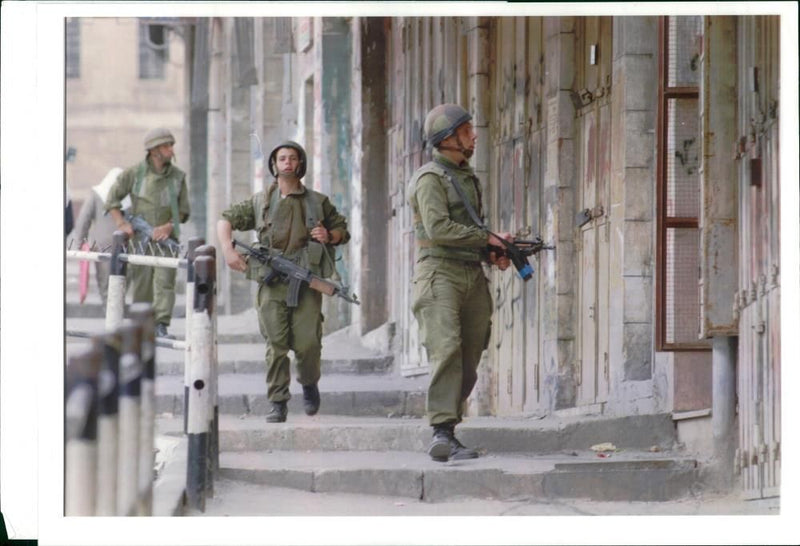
365 404
645 481
640 478
492 435
394 483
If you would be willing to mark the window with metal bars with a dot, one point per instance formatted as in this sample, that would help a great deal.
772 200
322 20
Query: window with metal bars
678 184
72 48
153 51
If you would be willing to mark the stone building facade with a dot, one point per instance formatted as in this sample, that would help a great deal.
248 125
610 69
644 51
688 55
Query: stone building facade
644 148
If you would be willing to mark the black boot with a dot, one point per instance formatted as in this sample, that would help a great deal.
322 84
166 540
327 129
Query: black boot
311 399
459 451
161 331
278 412
439 448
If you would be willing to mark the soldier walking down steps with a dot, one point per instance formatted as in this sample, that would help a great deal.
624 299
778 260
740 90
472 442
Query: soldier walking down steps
301 225
158 193
451 299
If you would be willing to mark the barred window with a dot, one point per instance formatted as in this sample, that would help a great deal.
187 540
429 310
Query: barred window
678 209
72 47
153 51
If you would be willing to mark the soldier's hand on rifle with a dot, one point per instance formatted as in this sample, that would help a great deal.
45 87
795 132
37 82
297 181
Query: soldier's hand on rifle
502 262
127 228
321 234
162 232
122 224
235 260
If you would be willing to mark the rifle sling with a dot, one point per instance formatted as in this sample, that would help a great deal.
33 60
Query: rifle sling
470 210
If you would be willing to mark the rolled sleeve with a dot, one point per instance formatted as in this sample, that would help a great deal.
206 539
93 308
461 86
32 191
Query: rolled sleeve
241 216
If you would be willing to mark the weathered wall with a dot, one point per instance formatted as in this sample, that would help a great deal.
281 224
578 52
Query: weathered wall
369 217
635 377
109 109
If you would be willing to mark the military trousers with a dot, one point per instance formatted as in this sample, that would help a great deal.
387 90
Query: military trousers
453 307
154 285
284 328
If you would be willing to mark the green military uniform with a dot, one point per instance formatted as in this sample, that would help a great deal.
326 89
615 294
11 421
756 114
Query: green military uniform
158 198
451 299
283 225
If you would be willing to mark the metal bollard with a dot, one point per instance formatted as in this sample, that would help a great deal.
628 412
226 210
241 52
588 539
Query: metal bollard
143 315
130 384
200 409
193 244
115 308
108 426
211 251
80 411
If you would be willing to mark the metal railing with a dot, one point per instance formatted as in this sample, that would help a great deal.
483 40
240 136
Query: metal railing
110 391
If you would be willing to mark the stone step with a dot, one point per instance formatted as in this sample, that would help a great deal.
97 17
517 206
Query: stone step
248 358
245 394
629 476
489 434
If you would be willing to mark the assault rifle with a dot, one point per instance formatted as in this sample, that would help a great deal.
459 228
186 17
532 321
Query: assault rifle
292 273
143 232
518 252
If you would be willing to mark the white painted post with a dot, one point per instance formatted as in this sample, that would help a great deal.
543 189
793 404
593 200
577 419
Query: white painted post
80 447
193 244
115 308
200 409
108 426
130 384
211 251
144 316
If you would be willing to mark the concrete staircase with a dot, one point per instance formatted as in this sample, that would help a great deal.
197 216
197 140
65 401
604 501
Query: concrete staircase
370 436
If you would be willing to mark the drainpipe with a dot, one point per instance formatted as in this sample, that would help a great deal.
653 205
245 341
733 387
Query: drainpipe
723 407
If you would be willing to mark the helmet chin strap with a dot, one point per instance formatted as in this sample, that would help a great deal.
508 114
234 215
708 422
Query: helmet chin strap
467 153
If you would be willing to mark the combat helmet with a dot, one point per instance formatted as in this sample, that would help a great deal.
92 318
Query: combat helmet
156 137
301 168
442 121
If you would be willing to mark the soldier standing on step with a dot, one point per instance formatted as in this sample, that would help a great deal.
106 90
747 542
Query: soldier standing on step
159 194
451 299
302 225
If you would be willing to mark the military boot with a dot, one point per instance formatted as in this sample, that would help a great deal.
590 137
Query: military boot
278 412
459 451
311 399
161 331
439 448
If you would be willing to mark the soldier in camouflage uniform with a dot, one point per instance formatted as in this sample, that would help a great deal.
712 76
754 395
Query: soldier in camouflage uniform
302 225
158 193
451 299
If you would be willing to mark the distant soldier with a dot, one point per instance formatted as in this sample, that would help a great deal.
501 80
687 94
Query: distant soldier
158 193
451 299
302 225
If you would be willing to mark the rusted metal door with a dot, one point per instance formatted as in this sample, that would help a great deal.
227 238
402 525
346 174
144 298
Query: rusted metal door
758 299
592 102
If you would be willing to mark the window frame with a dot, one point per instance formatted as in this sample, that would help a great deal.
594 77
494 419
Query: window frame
156 56
664 222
